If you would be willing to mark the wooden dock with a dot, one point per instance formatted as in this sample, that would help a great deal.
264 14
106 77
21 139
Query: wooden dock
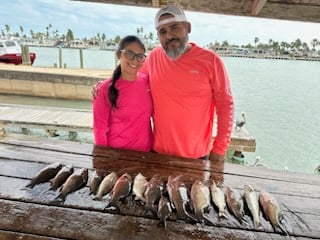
32 214
77 120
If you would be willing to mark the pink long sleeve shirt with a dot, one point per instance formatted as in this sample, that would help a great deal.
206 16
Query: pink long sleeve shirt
186 93
128 126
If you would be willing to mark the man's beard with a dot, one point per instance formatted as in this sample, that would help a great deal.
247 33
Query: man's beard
175 53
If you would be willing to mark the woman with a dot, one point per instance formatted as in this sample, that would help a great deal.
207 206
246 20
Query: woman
123 107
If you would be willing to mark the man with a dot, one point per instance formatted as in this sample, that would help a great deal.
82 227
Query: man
189 85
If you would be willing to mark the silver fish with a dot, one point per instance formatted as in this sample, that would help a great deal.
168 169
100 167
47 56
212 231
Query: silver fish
45 174
106 185
178 194
253 204
218 199
61 177
200 199
235 203
139 187
120 190
271 210
73 183
164 211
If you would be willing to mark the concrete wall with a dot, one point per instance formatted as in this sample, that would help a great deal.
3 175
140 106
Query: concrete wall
46 84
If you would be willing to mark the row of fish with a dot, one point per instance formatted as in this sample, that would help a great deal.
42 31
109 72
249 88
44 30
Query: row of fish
162 199
63 177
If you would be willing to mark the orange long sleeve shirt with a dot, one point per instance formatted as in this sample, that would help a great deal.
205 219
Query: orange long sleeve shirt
186 93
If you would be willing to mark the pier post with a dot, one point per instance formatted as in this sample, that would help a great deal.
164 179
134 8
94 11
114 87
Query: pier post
81 58
60 57
25 54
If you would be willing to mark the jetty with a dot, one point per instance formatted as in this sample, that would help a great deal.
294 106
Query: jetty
34 214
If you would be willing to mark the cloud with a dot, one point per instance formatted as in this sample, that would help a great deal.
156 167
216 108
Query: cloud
87 19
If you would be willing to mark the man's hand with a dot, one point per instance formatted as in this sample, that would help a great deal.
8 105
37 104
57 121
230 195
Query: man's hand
94 90
217 167
216 157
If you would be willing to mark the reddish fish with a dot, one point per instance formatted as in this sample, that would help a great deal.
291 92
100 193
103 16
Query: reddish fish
121 190
235 203
271 210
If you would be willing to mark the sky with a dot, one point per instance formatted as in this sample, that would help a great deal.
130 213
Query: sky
88 19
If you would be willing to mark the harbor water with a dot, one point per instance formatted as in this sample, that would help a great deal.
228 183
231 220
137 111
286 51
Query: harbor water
279 97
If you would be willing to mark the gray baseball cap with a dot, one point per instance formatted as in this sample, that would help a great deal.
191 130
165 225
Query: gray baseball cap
174 10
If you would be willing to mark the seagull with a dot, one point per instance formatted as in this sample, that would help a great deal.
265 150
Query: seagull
256 162
317 170
241 123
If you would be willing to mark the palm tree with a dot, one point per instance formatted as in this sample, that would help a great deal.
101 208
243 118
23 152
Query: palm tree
21 31
7 28
314 43
256 40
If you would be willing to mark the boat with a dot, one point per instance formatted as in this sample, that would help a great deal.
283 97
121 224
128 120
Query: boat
10 52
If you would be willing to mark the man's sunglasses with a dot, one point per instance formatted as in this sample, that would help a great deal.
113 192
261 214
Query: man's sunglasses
131 55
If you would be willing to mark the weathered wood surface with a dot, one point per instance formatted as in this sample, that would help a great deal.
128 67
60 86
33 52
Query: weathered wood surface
33 214
298 10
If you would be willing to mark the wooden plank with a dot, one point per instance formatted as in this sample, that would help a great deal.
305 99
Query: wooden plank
291 199
304 225
20 163
9 235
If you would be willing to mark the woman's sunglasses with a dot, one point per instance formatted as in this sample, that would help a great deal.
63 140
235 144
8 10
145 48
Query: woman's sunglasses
131 55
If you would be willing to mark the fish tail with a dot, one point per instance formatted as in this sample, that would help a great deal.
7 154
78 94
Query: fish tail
30 185
283 230
222 214
162 223
97 198
149 209
139 198
257 224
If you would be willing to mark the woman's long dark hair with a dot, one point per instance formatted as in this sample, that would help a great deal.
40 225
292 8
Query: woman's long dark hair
113 92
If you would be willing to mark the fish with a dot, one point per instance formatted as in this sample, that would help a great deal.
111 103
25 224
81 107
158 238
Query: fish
139 187
61 177
95 182
120 190
235 203
164 211
271 210
74 182
45 174
153 192
200 199
253 204
106 185
218 199
178 194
